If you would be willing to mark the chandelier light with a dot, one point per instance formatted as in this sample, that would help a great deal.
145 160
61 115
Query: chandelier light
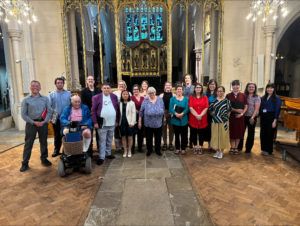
20 10
266 9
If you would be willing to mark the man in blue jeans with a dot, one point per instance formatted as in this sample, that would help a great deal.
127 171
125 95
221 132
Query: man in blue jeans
105 115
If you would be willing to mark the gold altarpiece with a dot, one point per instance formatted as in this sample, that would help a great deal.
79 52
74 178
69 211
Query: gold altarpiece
143 58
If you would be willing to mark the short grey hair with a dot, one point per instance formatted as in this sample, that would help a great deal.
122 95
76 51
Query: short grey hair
151 89
74 97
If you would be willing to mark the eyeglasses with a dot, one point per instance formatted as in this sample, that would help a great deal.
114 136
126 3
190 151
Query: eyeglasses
198 87
151 93
220 91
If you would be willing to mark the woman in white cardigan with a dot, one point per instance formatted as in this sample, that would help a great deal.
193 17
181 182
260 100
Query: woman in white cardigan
127 122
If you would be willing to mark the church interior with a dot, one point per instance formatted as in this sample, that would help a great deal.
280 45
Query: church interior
156 41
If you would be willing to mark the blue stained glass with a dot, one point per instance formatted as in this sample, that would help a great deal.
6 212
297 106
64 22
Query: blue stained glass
129 28
137 10
144 22
142 9
153 10
136 28
161 9
130 10
159 30
145 9
126 10
152 27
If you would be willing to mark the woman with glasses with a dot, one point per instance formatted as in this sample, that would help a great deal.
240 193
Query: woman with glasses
211 94
152 110
179 109
239 106
250 116
138 100
220 110
188 90
269 113
166 96
198 104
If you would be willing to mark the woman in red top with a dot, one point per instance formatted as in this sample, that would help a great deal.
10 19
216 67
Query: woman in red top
239 104
198 104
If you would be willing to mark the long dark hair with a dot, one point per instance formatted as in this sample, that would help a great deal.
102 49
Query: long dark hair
201 93
273 97
208 94
246 89
122 100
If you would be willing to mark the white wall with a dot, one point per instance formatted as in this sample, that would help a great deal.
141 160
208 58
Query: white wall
48 44
243 40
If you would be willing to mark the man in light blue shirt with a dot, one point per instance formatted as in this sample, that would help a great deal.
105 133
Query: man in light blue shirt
59 99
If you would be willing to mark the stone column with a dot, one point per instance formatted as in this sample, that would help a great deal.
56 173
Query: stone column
186 66
198 43
117 38
214 44
198 64
169 41
100 46
90 62
73 52
269 31
16 78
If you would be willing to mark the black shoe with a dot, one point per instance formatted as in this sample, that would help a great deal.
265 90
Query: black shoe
171 147
164 148
24 167
45 162
56 154
110 157
100 162
148 153
140 151
247 151
159 153
191 145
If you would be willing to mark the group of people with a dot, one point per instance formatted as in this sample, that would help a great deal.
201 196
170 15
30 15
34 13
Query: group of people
124 116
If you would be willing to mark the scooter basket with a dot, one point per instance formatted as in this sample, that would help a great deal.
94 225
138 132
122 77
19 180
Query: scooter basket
72 148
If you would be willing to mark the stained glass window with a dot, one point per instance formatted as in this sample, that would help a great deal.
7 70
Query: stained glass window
144 23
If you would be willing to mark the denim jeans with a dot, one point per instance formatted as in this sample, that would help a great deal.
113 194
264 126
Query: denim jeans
106 135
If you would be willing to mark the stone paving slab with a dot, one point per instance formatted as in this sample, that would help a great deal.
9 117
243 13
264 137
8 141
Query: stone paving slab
157 173
145 202
186 208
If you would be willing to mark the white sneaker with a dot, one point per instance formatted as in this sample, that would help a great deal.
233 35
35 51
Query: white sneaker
216 155
220 156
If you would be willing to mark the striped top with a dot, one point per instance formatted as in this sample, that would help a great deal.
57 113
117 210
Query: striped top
220 110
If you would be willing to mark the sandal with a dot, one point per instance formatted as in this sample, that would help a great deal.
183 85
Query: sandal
236 151
195 151
177 152
231 150
183 152
200 151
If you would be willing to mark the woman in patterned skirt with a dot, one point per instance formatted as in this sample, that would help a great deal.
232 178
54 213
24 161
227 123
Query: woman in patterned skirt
220 110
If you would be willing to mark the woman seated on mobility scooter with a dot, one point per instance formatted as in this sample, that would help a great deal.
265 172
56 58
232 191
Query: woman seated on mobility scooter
79 115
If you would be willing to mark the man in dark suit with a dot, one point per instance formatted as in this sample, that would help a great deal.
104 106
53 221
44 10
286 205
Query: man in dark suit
86 98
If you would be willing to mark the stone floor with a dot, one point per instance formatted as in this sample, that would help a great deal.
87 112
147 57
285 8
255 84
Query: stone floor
144 190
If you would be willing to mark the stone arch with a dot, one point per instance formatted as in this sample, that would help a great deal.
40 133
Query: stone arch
293 16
